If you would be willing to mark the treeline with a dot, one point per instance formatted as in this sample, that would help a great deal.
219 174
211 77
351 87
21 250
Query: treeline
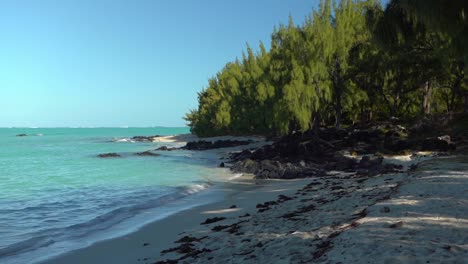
350 61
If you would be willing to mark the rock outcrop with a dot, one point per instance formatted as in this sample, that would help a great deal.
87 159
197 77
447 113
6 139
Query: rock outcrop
145 138
147 153
205 145
109 155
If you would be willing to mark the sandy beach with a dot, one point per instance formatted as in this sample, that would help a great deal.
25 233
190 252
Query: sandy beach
418 216
145 245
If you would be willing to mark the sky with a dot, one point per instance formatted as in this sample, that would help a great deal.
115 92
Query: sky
104 63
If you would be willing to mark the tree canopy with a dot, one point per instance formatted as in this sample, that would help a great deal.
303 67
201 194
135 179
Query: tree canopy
349 62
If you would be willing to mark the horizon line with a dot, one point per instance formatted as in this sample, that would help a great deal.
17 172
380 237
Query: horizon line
123 127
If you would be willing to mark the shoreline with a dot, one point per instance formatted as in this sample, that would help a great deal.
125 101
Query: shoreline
419 216
249 209
241 192
210 195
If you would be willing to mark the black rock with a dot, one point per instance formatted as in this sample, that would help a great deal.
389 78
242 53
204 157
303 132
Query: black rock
246 166
147 153
245 154
204 145
213 220
442 143
166 148
145 138
395 141
340 163
21 135
368 162
292 172
109 155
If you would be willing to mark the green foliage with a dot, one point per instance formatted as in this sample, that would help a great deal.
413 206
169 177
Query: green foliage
350 61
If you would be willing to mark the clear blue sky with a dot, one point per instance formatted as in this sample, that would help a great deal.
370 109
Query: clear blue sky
122 62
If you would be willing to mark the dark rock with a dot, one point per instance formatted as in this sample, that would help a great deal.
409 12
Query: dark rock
396 141
213 220
291 172
369 136
147 153
299 212
219 228
145 138
385 209
321 246
341 163
442 143
182 249
396 225
204 145
109 155
189 239
167 261
311 172
21 135
447 247
283 198
222 165
247 166
390 168
274 169
166 148
368 162
362 172
245 154
233 206
265 206
268 169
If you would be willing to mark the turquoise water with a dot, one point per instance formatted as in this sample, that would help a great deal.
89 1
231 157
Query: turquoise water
56 195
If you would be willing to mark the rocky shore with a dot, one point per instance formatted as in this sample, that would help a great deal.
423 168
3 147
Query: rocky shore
350 179
344 218
351 195
358 151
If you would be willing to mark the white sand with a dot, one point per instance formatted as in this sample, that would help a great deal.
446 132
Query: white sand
161 234
418 217
430 212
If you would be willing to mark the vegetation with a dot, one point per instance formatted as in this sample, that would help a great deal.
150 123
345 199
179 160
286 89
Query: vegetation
349 62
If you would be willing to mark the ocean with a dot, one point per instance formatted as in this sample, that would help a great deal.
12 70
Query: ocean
57 196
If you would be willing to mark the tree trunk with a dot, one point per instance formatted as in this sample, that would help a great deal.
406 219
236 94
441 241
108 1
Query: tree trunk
316 124
338 84
395 105
427 96
363 115
338 110
465 102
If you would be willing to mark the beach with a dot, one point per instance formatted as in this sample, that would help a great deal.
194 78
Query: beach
234 132
144 245
418 216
